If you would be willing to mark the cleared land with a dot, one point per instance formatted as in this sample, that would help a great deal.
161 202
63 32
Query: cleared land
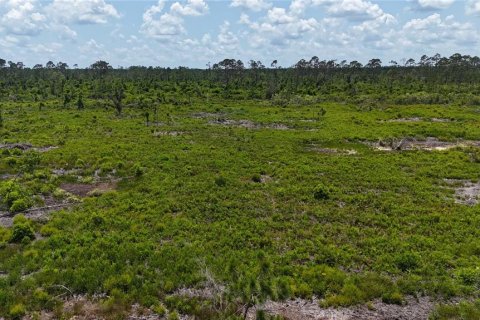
221 207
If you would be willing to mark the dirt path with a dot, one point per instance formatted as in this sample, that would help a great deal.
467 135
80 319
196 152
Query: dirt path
299 309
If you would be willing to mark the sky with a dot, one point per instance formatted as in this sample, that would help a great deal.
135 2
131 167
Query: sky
193 33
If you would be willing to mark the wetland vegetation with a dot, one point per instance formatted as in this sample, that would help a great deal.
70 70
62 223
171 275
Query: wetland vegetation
221 193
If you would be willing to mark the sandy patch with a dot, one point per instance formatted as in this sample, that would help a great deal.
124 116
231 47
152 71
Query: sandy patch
86 190
299 309
167 133
430 144
333 151
40 214
418 119
248 124
26 147
466 192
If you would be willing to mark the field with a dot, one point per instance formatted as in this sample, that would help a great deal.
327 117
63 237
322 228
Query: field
221 208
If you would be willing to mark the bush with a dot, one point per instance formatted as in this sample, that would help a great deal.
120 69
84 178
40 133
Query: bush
221 181
256 178
22 230
322 192
407 261
17 311
393 298
138 170
19 205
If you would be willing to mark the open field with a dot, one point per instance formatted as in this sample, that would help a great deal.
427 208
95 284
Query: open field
224 205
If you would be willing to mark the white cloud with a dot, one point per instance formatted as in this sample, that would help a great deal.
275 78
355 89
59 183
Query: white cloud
473 7
254 5
434 31
435 4
279 16
358 9
21 17
192 8
170 23
82 12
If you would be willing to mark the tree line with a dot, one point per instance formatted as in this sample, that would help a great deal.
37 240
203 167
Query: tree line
436 60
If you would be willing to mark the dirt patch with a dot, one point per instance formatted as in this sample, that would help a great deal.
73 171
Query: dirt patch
167 133
85 190
206 115
430 144
40 214
81 307
26 146
413 119
154 124
333 151
466 192
418 119
441 120
299 309
20 146
247 124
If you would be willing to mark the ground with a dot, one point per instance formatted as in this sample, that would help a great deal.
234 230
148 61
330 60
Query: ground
358 206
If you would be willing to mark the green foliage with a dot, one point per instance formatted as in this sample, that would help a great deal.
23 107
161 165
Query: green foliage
393 298
22 230
322 192
334 219
220 181
464 311
17 311
407 261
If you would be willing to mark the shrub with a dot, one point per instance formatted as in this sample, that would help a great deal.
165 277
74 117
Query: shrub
173 316
138 170
393 298
17 311
19 205
322 192
22 230
221 181
256 178
407 261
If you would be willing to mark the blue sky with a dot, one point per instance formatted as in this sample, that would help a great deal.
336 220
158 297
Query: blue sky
194 32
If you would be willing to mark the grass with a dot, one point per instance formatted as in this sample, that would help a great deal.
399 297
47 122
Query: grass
346 228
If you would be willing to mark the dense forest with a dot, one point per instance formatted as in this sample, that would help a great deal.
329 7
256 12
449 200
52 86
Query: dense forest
433 79
240 191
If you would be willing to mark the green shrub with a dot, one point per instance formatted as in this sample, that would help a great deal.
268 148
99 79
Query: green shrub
22 230
407 261
463 311
159 309
19 205
221 181
173 315
138 170
393 298
322 192
17 311
256 178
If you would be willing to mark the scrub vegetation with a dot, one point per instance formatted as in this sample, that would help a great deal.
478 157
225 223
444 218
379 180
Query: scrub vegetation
211 193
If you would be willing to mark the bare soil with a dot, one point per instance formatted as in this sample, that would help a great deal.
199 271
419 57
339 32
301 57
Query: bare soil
247 124
84 190
430 144
40 214
205 115
167 133
26 146
418 119
466 192
333 151
299 309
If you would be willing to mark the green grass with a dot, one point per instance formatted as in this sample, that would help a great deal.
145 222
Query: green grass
346 228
